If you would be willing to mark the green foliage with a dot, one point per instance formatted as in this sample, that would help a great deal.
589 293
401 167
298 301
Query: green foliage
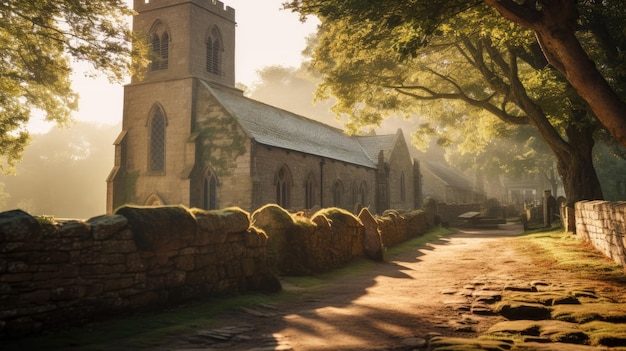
474 74
38 42
222 139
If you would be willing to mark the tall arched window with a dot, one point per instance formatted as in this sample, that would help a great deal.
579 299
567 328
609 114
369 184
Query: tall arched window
309 191
337 193
354 193
156 162
363 193
160 44
283 184
209 190
214 48
156 52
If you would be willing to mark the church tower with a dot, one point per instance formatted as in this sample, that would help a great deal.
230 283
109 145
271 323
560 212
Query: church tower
155 154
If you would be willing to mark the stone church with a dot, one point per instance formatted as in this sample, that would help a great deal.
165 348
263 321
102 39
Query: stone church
190 137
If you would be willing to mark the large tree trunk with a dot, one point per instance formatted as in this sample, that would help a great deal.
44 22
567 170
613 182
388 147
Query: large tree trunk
575 166
582 74
555 27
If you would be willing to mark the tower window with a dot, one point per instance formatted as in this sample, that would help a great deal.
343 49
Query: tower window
214 50
159 44
157 142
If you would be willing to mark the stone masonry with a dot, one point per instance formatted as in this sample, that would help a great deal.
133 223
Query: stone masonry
603 224
55 274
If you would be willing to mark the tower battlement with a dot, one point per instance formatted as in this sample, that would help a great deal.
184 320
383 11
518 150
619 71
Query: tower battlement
214 6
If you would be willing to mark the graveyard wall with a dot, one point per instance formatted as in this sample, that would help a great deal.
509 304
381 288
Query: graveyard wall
603 223
55 274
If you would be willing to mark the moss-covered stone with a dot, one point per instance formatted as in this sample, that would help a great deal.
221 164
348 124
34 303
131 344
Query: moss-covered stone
610 312
515 310
461 344
160 229
605 333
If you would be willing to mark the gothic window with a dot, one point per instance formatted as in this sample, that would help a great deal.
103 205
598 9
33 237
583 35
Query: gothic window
164 52
283 184
363 193
337 193
154 200
209 190
309 192
156 161
354 190
402 188
214 50
160 42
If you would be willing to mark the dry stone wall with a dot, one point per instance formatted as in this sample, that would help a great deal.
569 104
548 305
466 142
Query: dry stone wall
64 273
55 274
331 237
603 224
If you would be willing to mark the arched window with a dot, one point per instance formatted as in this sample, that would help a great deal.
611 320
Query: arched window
363 192
283 184
337 193
214 50
209 190
156 162
354 193
160 43
156 52
154 200
165 51
309 191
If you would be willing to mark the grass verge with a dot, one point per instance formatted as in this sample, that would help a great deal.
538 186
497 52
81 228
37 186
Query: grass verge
560 250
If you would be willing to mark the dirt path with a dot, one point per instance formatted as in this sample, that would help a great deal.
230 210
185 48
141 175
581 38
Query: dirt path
397 305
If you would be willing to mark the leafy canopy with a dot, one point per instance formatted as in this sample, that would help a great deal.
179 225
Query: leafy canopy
39 42
474 73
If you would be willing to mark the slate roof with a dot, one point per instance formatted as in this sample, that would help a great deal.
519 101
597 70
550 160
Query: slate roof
272 126
448 175
372 144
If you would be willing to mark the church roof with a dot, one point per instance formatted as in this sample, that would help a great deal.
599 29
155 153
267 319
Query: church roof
272 126
448 175
372 144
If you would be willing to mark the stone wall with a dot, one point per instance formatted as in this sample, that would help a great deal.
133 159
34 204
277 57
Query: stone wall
449 214
56 274
300 245
603 224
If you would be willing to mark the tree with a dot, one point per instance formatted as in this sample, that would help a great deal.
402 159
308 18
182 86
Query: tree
476 64
39 39
554 23
555 26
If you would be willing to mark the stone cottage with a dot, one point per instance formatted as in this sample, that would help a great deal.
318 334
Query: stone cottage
190 137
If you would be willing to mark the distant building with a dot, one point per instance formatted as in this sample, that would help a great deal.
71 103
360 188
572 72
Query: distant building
190 137
446 184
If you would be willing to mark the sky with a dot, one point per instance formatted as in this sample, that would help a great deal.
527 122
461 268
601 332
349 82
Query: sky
266 35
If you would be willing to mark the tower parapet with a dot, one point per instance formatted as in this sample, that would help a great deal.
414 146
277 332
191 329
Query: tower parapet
214 6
